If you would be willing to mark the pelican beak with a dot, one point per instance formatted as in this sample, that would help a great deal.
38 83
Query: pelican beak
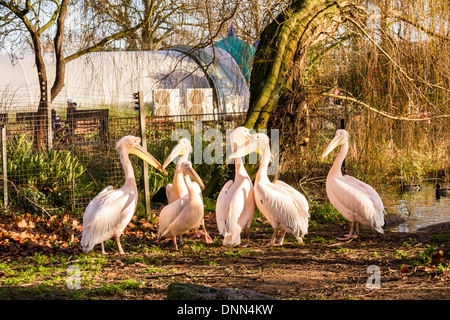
249 147
246 137
195 176
333 144
241 139
178 150
147 157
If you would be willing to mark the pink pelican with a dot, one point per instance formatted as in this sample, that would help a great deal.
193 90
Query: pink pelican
108 214
177 188
185 213
282 205
235 204
355 200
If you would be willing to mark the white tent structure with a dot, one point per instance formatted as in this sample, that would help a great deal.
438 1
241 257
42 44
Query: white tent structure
110 78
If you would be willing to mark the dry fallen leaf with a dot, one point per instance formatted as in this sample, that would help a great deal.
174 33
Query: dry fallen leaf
404 269
21 223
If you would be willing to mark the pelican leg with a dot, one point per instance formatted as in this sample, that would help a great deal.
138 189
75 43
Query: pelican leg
351 234
117 238
206 238
283 234
103 248
274 236
174 239
356 234
247 243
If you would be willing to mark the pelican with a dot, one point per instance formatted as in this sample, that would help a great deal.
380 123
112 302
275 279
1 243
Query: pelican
185 213
235 204
108 214
355 200
177 188
282 205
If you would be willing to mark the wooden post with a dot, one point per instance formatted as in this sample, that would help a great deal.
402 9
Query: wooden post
47 99
143 131
5 169
342 126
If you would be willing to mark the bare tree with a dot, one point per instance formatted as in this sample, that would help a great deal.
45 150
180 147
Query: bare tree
283 63
34 20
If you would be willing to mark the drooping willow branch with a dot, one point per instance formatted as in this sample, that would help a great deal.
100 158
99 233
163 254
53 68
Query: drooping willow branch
382 113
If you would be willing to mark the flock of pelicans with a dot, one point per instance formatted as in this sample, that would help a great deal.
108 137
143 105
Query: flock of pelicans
107 215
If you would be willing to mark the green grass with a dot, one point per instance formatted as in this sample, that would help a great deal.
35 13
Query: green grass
325 213
117 288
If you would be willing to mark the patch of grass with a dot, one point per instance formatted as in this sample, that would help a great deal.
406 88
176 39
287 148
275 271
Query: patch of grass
410 242
198 246
326 213
425 256
208 262
118 288
155 270
233 254
133 260
399 254
319 239
440 268
340 250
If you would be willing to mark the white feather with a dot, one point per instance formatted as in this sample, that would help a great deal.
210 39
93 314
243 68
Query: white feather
284 206
235 208
357 201
107 215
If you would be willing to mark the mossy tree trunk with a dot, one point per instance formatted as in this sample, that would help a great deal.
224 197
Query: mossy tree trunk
282 52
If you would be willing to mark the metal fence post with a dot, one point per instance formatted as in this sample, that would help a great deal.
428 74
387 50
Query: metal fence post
5 169
143 131
46 98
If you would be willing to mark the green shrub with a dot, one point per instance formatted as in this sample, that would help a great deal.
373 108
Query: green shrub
41 178
326 213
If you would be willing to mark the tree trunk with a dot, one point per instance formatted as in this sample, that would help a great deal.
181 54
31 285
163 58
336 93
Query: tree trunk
41 117
283 47
58 84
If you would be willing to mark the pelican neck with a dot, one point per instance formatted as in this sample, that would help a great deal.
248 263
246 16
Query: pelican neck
238 163
337 165
261 176
180 161
128 169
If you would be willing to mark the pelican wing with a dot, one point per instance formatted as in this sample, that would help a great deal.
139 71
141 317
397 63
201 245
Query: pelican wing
89 213
287 205
361 200
187 216
170 213
368 190
234 208
103 214
300 200
223 206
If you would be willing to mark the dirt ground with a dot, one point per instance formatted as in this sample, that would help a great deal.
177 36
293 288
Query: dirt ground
411 265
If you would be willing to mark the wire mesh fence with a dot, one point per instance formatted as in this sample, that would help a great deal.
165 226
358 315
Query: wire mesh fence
82 159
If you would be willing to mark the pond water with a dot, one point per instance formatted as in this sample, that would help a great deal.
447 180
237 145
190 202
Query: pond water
418 208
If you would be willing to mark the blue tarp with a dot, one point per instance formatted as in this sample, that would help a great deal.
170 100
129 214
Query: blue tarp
240 50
